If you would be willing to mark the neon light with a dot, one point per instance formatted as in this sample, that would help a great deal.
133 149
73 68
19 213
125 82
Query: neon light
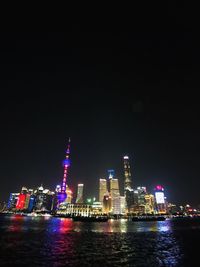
21 202
159 188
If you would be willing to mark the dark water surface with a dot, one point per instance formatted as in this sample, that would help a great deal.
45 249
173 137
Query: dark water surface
34 241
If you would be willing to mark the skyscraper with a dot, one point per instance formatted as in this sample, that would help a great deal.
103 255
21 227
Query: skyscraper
69 195
114 188
160 199
66 163
114 191
128 188
127 174
102 189
142 191
119 205
79 198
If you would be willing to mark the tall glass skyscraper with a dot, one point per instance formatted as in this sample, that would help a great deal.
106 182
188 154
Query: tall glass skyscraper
127 174
102 189
114 188
128 186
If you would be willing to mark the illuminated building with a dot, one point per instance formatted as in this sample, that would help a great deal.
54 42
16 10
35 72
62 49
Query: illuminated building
13 200
160 199
137 209
32 203
119 205
173 209
97 208
114 188
130 196
20 205
69 195
62 196
43 200
21 201
127 174
141 195
102 189
128 188
79 198
69 210
143 202
107 204
77 209
149 204
114 191
27 201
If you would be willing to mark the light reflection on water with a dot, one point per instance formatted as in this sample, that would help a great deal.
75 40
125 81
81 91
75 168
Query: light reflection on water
56 241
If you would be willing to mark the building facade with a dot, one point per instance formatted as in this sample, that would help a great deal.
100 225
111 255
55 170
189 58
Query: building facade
79 198
102 189
128 186
160 200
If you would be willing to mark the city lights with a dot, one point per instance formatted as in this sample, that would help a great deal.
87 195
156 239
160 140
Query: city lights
112 200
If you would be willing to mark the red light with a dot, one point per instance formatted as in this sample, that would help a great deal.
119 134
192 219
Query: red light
159 187
21 202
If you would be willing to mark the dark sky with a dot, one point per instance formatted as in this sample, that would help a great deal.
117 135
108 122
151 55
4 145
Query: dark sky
115 91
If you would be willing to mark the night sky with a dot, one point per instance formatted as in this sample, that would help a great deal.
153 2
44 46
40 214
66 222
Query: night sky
114 91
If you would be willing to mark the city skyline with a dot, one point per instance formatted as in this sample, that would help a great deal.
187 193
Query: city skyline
113 93
100 140
121 178
108 187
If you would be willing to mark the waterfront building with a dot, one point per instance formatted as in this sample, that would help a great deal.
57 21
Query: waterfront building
160 199
114 188
102 189
69 195
43 199
32 203
149 204
21 201
128 186
127 174
119 205
79 198
107 204
27 201
143 202
114 191
137 209
141 195
173 209
20 205
70 210
12 200
97 208
130 197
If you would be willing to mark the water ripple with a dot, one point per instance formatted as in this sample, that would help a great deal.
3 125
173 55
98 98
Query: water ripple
62 242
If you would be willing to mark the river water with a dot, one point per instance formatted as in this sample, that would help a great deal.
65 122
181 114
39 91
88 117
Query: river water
39 241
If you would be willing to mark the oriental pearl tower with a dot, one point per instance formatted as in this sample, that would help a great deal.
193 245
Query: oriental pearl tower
62 195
